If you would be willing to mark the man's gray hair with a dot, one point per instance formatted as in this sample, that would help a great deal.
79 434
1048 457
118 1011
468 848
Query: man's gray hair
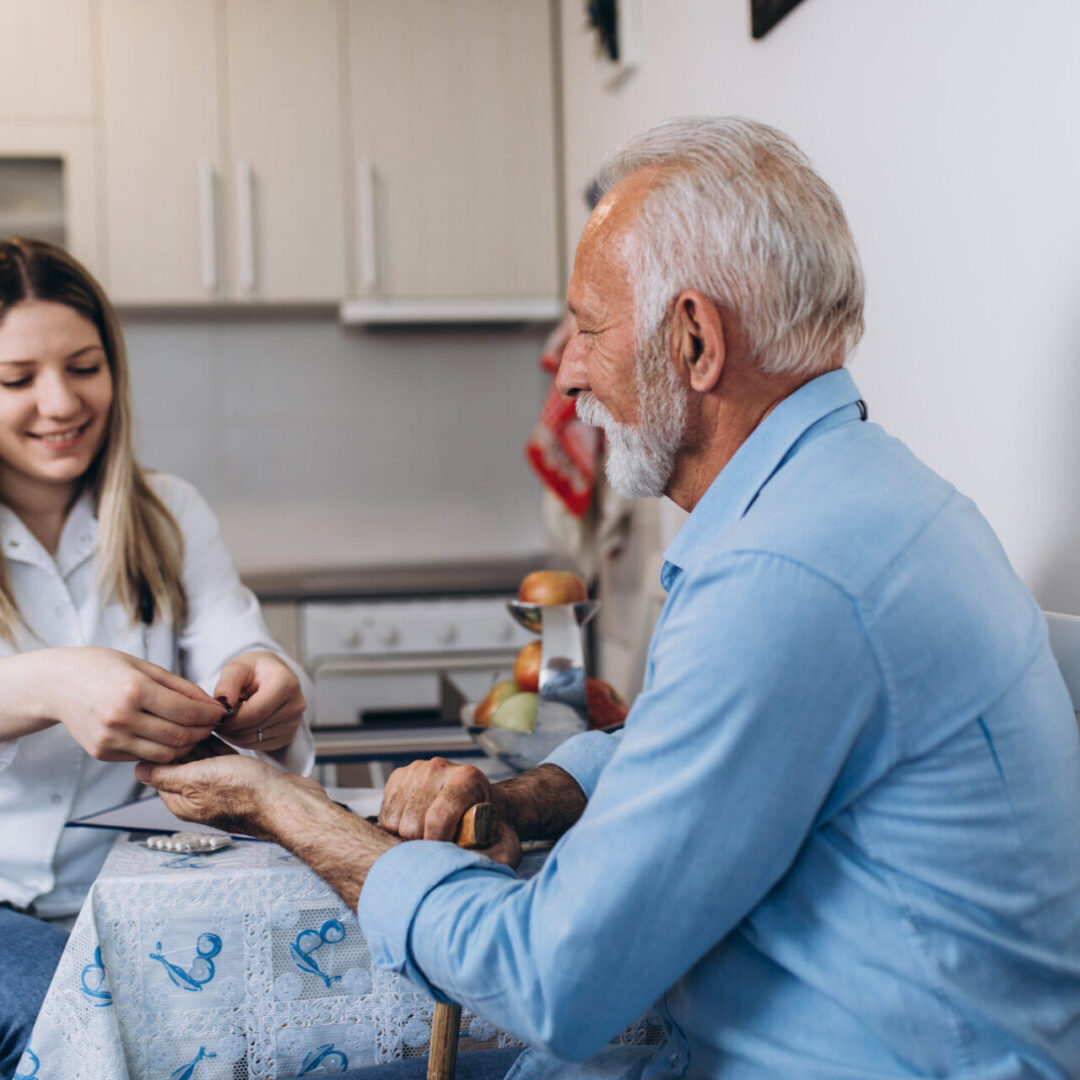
738 214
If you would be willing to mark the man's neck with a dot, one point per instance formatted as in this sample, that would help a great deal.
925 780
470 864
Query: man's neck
723 421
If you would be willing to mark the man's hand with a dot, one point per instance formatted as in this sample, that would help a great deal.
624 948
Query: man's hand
245 795
117 707
426 800
264 700
230 793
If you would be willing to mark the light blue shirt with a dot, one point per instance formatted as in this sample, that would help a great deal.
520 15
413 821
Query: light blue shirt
840 834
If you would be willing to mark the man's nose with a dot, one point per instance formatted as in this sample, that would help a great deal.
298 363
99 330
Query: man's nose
570 379
57 396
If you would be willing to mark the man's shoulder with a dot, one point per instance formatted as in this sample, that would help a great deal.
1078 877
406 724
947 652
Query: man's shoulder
848 507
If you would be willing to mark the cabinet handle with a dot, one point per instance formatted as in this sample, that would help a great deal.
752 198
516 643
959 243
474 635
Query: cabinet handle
245 190
369 267
208 225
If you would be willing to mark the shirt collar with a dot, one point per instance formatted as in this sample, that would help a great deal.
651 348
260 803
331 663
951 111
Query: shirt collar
77 538
734 490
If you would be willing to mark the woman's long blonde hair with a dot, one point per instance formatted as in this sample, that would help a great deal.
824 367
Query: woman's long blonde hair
139 545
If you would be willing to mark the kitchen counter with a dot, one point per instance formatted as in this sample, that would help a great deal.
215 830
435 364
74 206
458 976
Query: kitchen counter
395 580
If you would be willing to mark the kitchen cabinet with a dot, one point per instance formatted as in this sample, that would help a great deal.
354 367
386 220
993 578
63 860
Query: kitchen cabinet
73 219
452 160
221 140
48 164
45 67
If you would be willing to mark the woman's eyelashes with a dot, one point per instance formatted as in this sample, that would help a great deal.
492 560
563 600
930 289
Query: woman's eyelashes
81 371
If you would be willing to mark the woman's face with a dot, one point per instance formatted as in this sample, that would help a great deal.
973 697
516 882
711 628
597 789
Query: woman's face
55 393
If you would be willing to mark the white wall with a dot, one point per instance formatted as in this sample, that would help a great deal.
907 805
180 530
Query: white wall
950 130
321 446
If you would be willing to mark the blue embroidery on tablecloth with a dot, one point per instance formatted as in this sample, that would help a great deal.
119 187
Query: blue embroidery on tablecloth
33 1061
321 1056
186 862
331 932
187 1071
202 967
96 972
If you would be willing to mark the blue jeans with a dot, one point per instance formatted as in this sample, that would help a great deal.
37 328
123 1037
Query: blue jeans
474 1065
31 950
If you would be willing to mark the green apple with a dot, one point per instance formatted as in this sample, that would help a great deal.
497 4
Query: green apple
495 697
517 713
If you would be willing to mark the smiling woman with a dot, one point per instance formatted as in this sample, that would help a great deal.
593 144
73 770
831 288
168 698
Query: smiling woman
125 633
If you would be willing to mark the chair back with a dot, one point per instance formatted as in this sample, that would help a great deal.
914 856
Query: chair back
1065 645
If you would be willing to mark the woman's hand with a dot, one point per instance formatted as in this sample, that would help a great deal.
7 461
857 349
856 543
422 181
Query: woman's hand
264 701
117 707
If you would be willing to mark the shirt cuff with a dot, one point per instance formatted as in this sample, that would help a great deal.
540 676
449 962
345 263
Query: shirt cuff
299 755
585 756
396 886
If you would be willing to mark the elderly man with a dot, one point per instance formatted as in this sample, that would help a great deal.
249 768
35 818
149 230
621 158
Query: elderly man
840 833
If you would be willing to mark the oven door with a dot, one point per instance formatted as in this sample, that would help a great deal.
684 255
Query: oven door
378 705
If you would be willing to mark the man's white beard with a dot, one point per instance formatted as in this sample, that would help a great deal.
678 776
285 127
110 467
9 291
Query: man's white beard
641 460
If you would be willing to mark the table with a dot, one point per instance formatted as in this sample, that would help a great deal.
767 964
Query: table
240 965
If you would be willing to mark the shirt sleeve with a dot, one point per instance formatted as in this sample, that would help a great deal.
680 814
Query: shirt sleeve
585 756
224 619
763 681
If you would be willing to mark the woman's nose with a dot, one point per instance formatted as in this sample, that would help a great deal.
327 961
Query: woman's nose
56 396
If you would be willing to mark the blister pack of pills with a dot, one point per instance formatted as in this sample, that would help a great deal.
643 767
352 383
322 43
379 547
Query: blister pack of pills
188 843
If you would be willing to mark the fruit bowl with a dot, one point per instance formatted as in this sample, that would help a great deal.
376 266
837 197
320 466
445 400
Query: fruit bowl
528 615
555 724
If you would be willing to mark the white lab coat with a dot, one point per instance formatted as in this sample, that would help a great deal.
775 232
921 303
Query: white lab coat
47 778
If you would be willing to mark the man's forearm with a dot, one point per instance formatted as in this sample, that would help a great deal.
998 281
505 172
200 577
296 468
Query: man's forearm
540 804
338 845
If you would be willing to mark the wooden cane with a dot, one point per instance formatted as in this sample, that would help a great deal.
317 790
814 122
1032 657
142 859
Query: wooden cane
478 829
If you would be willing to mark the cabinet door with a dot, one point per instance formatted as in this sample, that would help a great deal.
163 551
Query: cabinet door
45 59
74 147
162 149
286 179
452 107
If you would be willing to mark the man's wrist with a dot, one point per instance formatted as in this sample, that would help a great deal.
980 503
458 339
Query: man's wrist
337 844
540 804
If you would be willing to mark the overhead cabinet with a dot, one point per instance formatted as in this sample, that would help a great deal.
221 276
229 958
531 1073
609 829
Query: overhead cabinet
453 160
221 128
48 132
396 157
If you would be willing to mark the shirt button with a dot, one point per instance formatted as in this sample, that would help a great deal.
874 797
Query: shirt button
56 798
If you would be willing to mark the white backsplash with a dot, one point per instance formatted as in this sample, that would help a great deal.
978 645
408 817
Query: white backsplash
321 446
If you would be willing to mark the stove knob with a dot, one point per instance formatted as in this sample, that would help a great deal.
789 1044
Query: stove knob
447 634
389 635
352 638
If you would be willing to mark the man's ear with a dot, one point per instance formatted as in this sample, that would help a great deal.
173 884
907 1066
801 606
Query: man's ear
699 340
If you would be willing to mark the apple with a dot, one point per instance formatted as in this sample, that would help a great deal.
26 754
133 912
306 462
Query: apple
546 587
517 713
493 699
606 705
527 667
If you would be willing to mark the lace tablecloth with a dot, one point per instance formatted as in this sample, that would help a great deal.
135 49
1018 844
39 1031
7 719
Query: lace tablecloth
240 965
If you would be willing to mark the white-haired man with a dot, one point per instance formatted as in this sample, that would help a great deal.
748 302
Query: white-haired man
840 833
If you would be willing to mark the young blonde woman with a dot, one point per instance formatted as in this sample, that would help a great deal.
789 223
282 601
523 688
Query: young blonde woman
125 633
